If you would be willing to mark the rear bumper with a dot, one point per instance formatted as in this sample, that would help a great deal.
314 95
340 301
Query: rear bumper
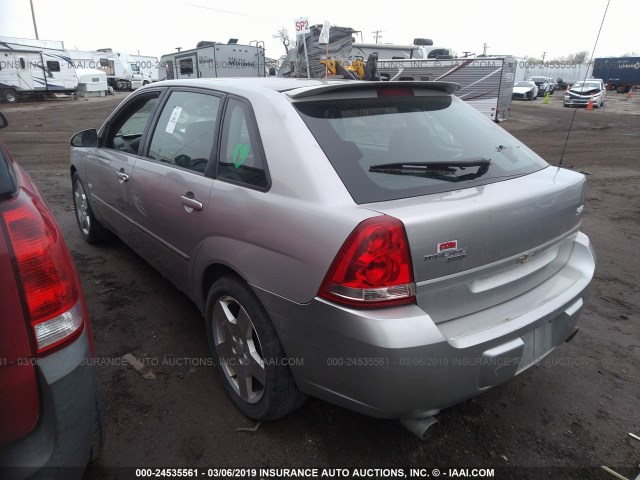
397 362
60 444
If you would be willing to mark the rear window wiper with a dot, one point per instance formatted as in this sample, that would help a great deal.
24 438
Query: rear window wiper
441 170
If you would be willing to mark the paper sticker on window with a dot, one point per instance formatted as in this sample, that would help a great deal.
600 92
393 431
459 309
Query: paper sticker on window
171 124
240 154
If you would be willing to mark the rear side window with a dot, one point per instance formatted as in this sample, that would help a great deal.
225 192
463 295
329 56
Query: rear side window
241 158
372 143
185 133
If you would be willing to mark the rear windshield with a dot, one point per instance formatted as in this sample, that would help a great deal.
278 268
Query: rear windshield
363 136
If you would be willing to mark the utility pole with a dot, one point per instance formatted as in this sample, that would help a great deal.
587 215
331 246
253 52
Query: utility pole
484 48
544 54
377 35
33 15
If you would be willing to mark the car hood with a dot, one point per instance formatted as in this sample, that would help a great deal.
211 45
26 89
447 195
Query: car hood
586 91
522 89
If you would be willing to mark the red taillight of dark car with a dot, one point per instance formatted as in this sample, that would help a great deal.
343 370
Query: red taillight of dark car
373 267
45 274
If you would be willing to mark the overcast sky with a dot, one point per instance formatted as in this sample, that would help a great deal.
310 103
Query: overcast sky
520 27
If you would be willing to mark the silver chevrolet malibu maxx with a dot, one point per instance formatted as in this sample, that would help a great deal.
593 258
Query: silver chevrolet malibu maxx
379 245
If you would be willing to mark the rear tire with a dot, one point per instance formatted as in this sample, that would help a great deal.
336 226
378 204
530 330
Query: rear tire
250 359
91 229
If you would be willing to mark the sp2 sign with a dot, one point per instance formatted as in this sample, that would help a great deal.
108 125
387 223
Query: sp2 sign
302 26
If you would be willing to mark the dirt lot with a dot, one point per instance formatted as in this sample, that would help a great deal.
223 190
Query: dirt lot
560 419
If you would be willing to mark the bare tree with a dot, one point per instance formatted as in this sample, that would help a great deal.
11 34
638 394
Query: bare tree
283 35
630 54
532 60
580 57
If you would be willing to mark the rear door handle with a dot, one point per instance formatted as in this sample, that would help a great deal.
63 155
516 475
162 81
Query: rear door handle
122 177
190 203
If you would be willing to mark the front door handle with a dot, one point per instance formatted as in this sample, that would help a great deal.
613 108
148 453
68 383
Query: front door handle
122 177
190 203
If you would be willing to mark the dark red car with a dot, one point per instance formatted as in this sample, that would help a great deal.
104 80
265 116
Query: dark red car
50 411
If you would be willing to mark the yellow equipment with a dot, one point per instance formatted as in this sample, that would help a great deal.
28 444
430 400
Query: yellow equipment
357 70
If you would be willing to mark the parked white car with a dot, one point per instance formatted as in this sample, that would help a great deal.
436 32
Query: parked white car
525 90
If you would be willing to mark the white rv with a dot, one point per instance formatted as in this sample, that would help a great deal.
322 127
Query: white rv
31 68
212 59
486 83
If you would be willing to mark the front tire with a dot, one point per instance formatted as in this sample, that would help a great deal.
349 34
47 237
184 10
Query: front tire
250 359
91 229
10 96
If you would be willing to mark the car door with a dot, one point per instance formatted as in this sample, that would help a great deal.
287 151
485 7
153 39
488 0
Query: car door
169 188
109 167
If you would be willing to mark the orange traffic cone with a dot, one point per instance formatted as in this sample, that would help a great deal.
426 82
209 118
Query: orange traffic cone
590 104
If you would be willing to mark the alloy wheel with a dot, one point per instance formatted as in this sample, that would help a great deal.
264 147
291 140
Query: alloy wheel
239 349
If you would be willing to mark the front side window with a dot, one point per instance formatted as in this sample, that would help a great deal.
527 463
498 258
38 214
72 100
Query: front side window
125 131
53 66
186 130
394 147
241 159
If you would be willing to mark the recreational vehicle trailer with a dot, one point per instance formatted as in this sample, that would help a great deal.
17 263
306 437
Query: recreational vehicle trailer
486 83
213 59
31 68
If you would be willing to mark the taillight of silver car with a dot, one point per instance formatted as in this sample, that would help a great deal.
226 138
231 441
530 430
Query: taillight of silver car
373 267
45 274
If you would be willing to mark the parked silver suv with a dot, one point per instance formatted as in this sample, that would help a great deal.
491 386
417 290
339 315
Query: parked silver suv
379 245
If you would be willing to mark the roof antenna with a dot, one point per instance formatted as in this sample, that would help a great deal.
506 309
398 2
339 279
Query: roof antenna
585 78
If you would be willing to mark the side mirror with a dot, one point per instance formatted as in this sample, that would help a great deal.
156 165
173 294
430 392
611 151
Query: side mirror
3 121
86 138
